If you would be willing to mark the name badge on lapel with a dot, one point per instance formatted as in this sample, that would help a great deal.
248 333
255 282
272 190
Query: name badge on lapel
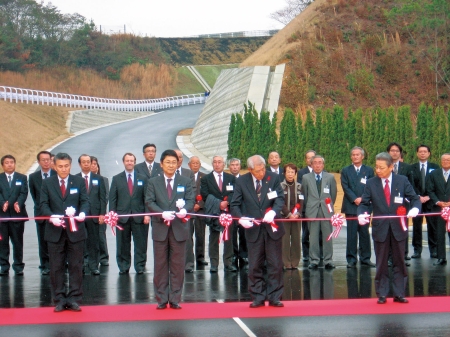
229 187
301 197
73 191
95 182
363 180
18 183
180 189
326 190
140 183
398 200
272 195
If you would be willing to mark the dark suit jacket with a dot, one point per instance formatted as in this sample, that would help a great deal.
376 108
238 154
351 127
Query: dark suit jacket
353 187
209 186
54 203
18 192
373 195
405 170
120 200
157 201
97 195
417 180
437 189
315 200
245 203
198 183
301 173
142 169
188 174
280 171
35 183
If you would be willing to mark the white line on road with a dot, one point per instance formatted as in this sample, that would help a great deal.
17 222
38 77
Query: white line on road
244 327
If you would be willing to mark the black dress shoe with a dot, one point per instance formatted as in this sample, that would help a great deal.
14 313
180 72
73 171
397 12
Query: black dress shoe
407 264
416 255
400 299
305 259
161 306
231 268
104 264
313 266
46 271
140 272
276 304
19 273
73 306
433 255
440 262
123 272
407 257
213 269
59 307
330 266
381 300
351 265
175 306
256 304
389 263
95 272
202 263
368 264
4 272
189 270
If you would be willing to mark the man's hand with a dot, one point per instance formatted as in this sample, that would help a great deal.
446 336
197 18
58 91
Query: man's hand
80 217
168 215
293 216
101 219
424 199
443 204
363 219
269 216
246 222
57 220
196 207
146 219
181 214
357 201
17 207
5 206
223 205
413 212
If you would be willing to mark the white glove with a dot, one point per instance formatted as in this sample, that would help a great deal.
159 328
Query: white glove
182 213
363 219
269 216
57 220
80 217
246 222
413 212
168 216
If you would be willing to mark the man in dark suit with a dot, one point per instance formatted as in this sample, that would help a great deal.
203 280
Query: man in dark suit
386 193
13 194
353 180
274 161
258 195
127 197
218 186
169 232
35 182
305 232
197 224
149 167
184 171
95 187
318 186
438 189
59 192
420 172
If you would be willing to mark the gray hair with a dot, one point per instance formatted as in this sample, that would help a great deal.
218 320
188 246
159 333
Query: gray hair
316 157
194 157
445 154
358 148
217 157
385 157
232 160
255 160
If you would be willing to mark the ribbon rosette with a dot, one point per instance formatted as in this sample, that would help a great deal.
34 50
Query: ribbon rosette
198 198
295 209
445 214
225 220
328 202
225 198
111 219
180 204
70 212
337 220
402 212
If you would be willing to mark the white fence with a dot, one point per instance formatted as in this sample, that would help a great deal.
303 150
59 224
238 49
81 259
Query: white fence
30 96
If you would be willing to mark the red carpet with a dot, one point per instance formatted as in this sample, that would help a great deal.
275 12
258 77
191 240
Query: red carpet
148 312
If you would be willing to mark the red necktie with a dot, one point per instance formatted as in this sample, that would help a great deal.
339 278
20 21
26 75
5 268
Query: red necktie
130 184
169 188
63 187
220 182
87 182
387 192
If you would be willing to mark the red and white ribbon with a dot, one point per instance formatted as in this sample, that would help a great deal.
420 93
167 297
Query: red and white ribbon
445 214
225 220
295 209
111 219
401 211
328 202
70 212
337 220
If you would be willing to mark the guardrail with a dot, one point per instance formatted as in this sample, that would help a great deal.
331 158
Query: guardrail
20 95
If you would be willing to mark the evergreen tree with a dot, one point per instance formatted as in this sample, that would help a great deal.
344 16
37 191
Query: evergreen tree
391 126
339 152
422 125
273 138
350 131
440 135
318 134
309 132
359 127
232 137
264 142
300 143
288 137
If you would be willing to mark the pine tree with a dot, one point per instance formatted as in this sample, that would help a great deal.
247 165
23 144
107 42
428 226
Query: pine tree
232 137
309 131
422 125
273 138
440 135
264 142
318 134
300 143
288 137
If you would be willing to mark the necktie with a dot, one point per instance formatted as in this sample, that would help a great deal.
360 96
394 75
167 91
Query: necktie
446 176
45 175
150 169
395 168
130 184
220 182
178 172
357 172
422 174
318 182
169 188
63 187
86 181
9 181
387 192
258 189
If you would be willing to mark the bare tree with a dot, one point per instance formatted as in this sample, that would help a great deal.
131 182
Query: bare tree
288 13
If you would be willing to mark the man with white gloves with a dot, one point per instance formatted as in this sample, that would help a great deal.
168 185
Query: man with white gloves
387 194
171 195
258 195
64 195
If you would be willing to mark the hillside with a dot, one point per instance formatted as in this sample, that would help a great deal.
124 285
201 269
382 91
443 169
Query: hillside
362 54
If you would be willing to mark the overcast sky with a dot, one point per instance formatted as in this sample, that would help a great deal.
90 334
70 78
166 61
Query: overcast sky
176 18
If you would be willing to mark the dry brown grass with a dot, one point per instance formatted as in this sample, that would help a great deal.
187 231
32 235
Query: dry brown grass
27 129
136 81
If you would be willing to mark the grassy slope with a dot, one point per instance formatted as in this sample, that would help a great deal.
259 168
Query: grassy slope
187 83
212 72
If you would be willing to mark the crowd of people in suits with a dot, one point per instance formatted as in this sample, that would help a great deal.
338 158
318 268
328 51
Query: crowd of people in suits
303 199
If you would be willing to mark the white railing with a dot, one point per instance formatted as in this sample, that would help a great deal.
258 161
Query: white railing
31 96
